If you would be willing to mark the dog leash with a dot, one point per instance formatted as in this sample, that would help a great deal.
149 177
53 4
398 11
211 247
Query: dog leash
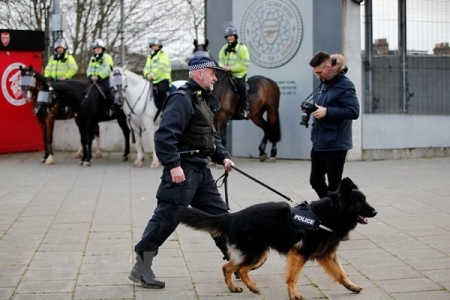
224 181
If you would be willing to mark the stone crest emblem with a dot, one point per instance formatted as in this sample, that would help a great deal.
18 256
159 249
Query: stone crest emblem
272 31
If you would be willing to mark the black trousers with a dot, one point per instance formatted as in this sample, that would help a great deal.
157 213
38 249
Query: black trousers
330 163
199 191
242 86
162 89
104 83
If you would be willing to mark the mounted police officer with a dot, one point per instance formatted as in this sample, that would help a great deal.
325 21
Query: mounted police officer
158 69
61 65
99 70
185 139
234 57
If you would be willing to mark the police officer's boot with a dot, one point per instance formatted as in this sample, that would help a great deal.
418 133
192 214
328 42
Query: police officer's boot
244 99
112 109
142 272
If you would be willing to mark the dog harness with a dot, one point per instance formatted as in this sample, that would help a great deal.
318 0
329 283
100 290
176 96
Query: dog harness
303 217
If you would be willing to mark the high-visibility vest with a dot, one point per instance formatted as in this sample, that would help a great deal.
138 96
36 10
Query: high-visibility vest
238 60
59 68
100 68
159 67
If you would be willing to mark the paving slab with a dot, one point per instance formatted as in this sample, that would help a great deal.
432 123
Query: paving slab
67 232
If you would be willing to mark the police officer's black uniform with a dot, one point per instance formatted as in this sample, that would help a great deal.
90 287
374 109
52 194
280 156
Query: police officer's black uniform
187 124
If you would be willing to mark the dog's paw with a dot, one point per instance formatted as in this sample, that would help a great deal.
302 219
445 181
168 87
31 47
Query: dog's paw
295 297
235 289
254 289
354 288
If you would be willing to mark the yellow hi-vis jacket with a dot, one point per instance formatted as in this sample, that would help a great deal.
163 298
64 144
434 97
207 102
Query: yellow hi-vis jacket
100 68
159 67
239 60
66 67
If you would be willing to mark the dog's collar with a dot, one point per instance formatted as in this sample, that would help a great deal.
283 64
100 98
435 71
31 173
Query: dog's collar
325 228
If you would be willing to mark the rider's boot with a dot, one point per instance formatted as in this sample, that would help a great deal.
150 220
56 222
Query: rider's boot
244 99
112 109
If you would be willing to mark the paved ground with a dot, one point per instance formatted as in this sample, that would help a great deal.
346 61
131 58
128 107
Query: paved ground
67 232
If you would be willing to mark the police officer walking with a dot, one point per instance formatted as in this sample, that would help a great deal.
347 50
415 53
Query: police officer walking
185 139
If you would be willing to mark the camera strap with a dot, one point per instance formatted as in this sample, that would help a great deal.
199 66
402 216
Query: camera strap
312 95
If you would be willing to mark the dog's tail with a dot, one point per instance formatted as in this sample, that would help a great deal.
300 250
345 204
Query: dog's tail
213 224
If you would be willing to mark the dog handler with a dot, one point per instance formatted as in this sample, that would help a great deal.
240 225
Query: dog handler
186 126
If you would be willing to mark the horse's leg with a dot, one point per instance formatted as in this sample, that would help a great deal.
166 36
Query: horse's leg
98 150
151 133
274 132
137 130
50 122
83 135
79 152
89 139
261 123
122 120
43 126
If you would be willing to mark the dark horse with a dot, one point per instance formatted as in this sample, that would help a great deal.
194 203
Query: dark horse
264 98
90 107
32 82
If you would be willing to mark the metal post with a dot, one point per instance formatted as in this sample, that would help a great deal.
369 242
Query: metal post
402 52
48 42
122 32
368 62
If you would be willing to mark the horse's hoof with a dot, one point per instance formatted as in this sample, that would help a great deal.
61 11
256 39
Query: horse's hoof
48 162
81 162
98 155
43 160
86 164
262 158
272 159
138 163
125 158
78 155
155 165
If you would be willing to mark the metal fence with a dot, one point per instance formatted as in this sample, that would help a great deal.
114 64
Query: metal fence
406 56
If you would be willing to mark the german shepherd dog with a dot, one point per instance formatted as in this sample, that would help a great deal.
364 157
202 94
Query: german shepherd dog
253 231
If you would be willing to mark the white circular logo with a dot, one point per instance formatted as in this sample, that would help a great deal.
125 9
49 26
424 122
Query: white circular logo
272 31
11 84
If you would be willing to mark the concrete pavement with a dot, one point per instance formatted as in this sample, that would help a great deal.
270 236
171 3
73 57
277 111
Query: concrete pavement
67 232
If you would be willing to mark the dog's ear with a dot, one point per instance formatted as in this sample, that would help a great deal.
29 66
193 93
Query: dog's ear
346 187
352 184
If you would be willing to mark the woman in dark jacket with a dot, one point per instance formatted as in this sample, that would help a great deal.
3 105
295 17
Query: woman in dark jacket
331 134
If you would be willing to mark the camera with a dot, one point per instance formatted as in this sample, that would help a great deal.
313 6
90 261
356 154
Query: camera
307 108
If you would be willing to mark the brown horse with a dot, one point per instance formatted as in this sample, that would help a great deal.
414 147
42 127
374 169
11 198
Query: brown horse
32 82
264 98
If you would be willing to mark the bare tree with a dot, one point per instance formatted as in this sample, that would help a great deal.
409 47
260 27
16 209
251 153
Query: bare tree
175 22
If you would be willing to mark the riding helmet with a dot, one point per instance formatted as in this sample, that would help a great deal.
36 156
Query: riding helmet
60 43
98 43
154 41
231 31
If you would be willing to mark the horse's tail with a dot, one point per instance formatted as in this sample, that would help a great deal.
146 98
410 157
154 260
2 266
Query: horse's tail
273 117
